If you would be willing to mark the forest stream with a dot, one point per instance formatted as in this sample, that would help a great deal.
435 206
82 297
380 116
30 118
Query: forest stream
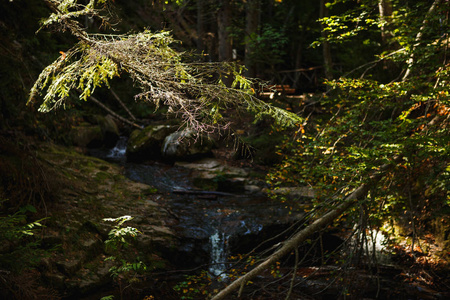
213 224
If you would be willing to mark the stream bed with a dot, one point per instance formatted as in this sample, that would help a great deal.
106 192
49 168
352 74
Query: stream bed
212 224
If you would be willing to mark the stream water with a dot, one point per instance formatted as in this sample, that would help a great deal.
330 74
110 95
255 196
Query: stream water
210 227
214 228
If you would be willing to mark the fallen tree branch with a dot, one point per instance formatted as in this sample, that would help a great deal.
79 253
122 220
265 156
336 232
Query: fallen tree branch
115 115
122 104
201 192
291 244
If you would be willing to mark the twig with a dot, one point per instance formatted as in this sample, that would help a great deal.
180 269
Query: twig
293 275
123 105
418 38
96 101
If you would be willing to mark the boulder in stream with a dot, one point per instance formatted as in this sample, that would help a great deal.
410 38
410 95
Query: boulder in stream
186 144
146 144
98 131
86 135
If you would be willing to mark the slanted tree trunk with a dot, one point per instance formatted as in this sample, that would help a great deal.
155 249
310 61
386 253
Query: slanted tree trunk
252 13
418 38
320 223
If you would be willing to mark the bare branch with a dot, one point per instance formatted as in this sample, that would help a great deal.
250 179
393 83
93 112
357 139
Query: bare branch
291 244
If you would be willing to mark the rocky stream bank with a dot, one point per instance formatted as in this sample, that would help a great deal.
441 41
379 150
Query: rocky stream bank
192 213
186 212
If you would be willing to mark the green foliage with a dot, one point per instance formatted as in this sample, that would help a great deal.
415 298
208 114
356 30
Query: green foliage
124 272
368 123
357 19
117 237
268 45
192 90
17 235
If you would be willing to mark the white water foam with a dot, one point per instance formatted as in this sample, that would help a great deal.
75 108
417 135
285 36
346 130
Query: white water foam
119 149
218 242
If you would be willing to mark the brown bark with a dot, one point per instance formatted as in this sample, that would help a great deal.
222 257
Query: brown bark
418 38
385 11
223 22
200 26
122 104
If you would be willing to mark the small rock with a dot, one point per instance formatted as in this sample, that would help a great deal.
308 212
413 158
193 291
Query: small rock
252 189
203 164
69 267
56 280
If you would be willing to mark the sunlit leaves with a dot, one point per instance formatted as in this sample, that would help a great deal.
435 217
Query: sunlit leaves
342 28
369 122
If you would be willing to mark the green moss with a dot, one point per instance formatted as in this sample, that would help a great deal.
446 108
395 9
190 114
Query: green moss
102 176
206 184
150 190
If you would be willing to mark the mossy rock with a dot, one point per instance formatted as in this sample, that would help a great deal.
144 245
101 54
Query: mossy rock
146 144
98 131
205 183
87 136
187 144
110 130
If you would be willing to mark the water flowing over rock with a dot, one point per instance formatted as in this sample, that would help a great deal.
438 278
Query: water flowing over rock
186 144
119 150
211 223
219 253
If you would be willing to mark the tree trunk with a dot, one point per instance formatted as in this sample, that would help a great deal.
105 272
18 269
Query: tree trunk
326 51
385 11
200 26
411 59
223 22
252 13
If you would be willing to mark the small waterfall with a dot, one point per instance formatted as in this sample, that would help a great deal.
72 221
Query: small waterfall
171 143
119 149
373 246
376 245
218 242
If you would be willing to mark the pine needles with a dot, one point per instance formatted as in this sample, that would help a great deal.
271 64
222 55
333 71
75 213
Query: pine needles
193 91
